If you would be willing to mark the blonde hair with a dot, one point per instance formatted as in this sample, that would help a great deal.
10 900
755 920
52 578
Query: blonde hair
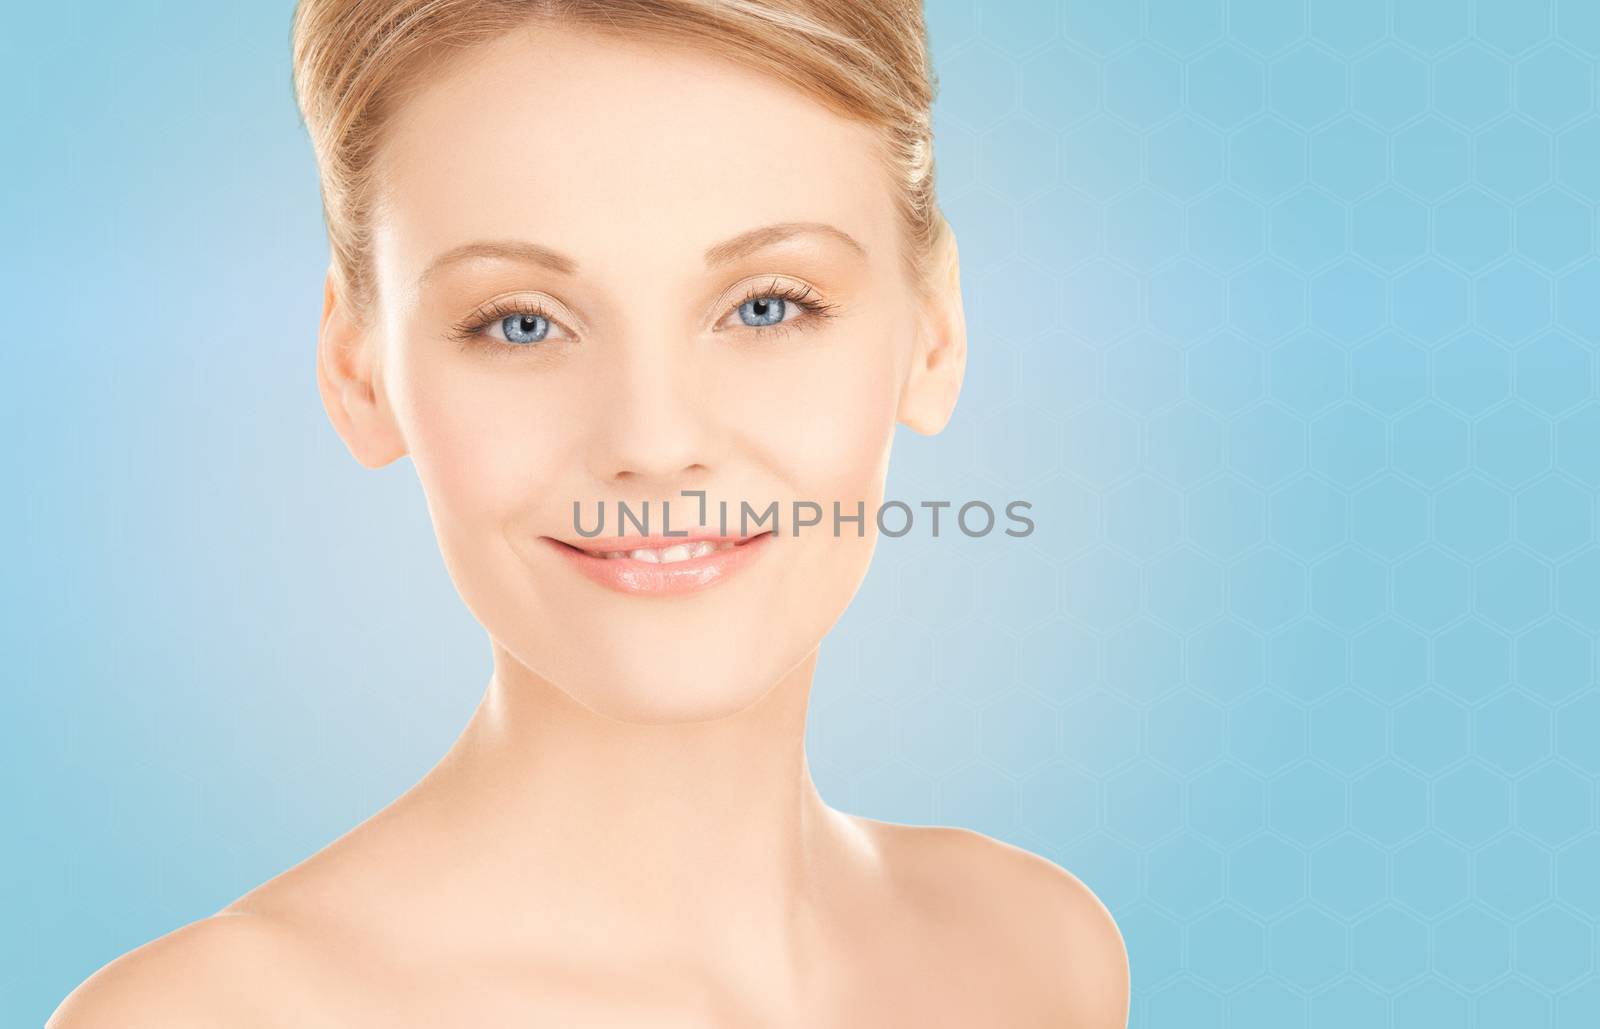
866 60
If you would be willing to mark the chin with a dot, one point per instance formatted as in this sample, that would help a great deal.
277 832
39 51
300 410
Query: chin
698 657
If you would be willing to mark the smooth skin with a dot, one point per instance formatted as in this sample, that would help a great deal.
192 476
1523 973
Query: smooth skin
626 832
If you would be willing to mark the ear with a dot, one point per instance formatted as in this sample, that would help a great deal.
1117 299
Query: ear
940 363
347 378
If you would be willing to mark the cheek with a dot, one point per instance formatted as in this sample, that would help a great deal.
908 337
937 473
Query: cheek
824 415
483 440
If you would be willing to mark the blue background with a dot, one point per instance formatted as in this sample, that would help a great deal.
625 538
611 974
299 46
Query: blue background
1283 313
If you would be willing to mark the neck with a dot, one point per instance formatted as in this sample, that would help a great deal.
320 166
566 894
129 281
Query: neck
704 842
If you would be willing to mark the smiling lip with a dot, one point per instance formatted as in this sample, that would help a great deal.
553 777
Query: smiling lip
659 564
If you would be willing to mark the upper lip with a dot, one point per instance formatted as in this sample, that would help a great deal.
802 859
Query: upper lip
606 543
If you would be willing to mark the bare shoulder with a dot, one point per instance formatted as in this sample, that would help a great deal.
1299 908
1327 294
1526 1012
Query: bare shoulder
230 968
1032 915
293 951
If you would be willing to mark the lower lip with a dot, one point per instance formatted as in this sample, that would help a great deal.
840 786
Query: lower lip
628 575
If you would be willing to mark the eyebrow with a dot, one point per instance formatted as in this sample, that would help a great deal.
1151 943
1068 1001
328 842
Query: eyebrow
722 253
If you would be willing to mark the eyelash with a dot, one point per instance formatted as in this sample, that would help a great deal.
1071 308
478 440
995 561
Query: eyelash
468 333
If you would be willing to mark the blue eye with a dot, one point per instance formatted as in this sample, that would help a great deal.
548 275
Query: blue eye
780 309
525 328
523 323
759 311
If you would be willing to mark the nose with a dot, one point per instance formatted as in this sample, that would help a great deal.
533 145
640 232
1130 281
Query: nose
654 416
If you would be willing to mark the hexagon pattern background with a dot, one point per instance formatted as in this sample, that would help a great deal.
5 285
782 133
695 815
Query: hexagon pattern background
1282 315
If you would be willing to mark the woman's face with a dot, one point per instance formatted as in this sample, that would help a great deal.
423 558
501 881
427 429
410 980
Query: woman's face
574 304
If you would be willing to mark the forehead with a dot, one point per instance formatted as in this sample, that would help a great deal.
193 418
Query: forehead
617 152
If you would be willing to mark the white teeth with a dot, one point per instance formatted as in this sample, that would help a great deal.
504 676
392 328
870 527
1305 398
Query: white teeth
670 555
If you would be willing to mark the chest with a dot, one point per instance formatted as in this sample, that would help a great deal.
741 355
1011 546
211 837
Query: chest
925 984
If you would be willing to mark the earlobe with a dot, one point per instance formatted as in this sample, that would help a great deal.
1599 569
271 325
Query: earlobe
940 362
348 382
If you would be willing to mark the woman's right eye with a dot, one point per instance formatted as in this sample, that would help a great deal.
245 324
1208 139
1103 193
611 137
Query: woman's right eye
521 329
513 324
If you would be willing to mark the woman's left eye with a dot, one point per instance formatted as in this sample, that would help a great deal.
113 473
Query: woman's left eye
780 308
760 311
